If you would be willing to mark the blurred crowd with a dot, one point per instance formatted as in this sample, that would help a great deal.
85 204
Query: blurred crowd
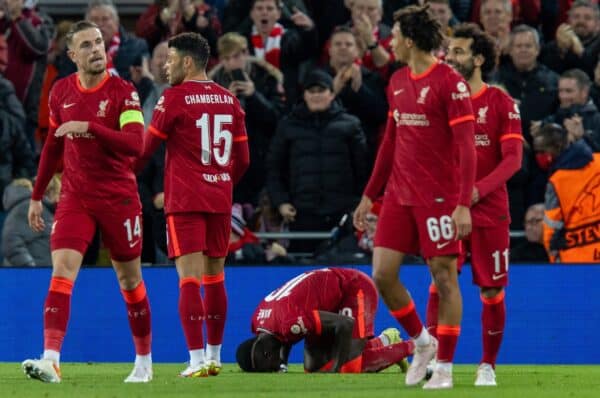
311 76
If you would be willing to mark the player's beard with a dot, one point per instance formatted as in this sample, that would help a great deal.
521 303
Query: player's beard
466 70
176 74
95 70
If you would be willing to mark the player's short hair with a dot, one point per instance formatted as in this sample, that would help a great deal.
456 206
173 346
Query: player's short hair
519 29
78 27
417 24
585 4
582 78
482 44
191 44
259 354
231 43
554 136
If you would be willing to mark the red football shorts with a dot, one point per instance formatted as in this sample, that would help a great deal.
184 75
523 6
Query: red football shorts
198 232
489 248
360 302
427 231
119 220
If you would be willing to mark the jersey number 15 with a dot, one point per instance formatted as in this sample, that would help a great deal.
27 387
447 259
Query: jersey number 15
219 146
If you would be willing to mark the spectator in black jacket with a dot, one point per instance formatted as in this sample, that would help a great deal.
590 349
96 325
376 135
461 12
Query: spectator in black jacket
16 158
577 112
530 249
259 87
360 90
316 162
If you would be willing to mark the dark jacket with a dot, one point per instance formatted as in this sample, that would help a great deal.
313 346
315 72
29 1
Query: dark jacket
590 118
536 91
16 158
263 110
20 245
28 41
551 57
317 161
131 51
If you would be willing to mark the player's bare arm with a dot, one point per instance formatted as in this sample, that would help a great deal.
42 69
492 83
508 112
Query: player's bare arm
360 213
340 326
461 217
72 127
34 215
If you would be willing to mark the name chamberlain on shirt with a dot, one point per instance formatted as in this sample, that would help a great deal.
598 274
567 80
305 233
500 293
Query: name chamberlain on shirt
208 99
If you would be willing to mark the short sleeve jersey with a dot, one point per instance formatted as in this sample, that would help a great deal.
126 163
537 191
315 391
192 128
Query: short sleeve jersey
289 311
91 168
497 119
200 121
425 107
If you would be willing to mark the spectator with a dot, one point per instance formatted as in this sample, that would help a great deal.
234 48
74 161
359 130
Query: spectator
316 163
577 42
267 218
391 6
530 83
259 87
16 159
57 56
166 18
21 246
328 15
245 248
284 48
595 89
530 249
360 90
577 112
572 216
496 19
461 9
236 13
28 37
442 12
122 49
371 35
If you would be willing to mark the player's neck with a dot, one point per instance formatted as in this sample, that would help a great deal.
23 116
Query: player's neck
89 81
421 61
198 76
476 84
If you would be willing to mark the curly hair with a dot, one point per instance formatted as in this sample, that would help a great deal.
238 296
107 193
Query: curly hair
482 44
417 24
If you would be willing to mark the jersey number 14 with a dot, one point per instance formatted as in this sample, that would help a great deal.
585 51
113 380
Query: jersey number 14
220 145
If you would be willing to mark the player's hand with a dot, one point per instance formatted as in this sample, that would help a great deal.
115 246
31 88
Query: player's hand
288 212
360 213
34 216
72 127
475 196
159 200
301 20
461 217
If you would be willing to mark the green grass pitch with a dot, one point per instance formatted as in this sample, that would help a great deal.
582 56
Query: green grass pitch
105 380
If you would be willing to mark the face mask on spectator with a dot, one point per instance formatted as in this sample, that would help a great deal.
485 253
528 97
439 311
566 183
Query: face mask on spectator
544 160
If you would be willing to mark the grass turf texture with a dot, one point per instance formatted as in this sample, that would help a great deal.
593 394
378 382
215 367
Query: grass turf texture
105 380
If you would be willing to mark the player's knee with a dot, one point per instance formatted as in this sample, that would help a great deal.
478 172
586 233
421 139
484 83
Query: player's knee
382 279
129 282
445 283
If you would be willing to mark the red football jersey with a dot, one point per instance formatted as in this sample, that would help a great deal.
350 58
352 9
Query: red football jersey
200 121
497 119
91 169
424 108
288 312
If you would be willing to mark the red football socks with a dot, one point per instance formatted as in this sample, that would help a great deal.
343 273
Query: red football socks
56 312
376 359
448 337
433 305
409 319
215 302
138 312
493 319
191 312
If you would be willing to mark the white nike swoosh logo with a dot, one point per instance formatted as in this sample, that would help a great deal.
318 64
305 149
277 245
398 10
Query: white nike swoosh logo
65 106
496 277
134 243
442 245
396 92
491 333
